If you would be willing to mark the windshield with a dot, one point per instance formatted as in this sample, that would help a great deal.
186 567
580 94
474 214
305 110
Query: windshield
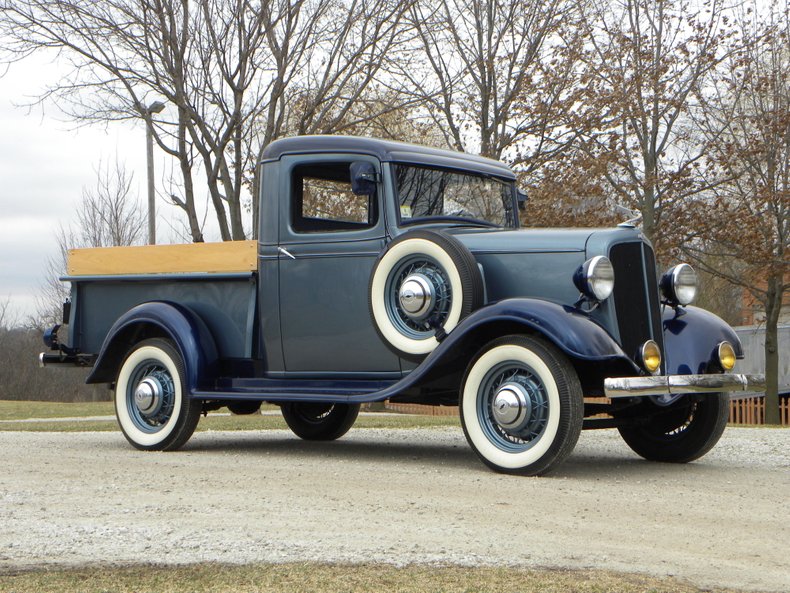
443 194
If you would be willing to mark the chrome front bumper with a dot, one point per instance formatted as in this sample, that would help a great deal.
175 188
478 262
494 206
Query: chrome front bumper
681 384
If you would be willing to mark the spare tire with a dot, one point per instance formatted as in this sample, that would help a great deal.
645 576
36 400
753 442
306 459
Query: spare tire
422 285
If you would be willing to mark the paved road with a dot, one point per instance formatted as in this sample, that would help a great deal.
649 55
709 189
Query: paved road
397 496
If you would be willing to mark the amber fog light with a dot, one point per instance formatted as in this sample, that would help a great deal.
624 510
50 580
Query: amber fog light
651 356
726 356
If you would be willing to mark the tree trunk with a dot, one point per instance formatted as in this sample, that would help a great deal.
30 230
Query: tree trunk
186 175
648 206
773 306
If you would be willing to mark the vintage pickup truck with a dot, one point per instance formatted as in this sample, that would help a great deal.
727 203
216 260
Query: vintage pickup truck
389 271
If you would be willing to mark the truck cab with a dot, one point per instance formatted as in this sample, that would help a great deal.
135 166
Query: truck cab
390 271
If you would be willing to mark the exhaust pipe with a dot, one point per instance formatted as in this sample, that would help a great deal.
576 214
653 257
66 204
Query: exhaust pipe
45 359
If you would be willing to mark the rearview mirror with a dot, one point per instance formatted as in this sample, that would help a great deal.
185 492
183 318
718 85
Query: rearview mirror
363 178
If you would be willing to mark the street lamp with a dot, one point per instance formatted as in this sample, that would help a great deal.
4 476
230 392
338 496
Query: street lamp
155 107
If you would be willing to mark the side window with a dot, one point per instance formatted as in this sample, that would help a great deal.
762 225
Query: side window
322 200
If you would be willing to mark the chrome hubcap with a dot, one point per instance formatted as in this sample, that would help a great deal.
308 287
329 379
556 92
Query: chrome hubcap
148 396
511 406
416 296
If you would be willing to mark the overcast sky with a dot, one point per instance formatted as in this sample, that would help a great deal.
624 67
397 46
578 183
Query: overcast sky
45 162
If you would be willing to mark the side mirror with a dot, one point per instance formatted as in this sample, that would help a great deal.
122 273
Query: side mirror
363 178
522 197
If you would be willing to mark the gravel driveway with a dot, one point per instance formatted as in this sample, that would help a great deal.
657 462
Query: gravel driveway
397 496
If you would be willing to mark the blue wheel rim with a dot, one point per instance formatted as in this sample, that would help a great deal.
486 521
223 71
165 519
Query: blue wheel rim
423 328
156 420
534 426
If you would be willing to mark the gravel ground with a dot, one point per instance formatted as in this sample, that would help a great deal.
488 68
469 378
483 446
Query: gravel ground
397 496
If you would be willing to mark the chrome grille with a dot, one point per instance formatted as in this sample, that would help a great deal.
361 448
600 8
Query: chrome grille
636 301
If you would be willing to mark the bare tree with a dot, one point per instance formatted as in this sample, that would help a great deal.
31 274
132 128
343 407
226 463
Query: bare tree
743 226
200 57
7 317
108 215
324 59
106 48
645 61
493 75
716 294
231 71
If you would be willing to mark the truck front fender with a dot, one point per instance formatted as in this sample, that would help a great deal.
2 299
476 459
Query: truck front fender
691 337
159 319
571 330
584 341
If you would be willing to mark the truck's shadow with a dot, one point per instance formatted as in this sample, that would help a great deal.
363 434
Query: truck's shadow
581 465
431 454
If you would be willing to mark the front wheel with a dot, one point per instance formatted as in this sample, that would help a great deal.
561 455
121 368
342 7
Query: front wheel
152 409
682 432
521 406
318 421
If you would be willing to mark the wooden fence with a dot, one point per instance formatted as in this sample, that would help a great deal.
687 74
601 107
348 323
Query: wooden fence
422 410
750 411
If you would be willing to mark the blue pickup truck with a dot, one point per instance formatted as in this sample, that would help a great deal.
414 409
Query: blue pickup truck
390 271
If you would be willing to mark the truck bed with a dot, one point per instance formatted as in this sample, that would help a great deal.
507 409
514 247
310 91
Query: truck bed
228 256
216 280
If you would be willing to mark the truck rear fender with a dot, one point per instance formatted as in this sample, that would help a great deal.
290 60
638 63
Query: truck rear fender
165 320
691 339
590 348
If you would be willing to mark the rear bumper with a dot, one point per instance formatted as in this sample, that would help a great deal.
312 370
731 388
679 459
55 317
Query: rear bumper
681 384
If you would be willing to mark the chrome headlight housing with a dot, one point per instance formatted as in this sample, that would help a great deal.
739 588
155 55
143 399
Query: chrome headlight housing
679 285
595 278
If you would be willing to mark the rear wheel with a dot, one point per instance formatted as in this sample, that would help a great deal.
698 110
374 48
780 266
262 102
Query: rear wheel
521 406
151 405
682 432
244 408
319 421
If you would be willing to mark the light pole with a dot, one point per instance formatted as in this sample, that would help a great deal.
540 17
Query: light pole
155 107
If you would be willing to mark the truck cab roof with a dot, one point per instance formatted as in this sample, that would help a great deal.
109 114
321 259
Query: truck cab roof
387 151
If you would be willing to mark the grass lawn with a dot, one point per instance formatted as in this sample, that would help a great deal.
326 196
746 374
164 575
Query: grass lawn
323 578
12 412
17 410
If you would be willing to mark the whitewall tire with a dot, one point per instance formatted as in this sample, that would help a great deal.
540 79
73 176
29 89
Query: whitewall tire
521 405
423 284
151 406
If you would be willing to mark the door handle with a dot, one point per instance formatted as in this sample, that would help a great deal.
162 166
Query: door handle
285 252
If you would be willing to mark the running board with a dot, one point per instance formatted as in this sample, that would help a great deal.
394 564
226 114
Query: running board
274 390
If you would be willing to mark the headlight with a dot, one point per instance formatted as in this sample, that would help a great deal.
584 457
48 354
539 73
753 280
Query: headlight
679 284
595 278
650 355
726 356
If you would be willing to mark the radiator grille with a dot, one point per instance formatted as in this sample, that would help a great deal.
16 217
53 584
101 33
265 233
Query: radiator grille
636 301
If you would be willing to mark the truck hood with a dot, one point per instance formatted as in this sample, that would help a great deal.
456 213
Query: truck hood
490 241
537 263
